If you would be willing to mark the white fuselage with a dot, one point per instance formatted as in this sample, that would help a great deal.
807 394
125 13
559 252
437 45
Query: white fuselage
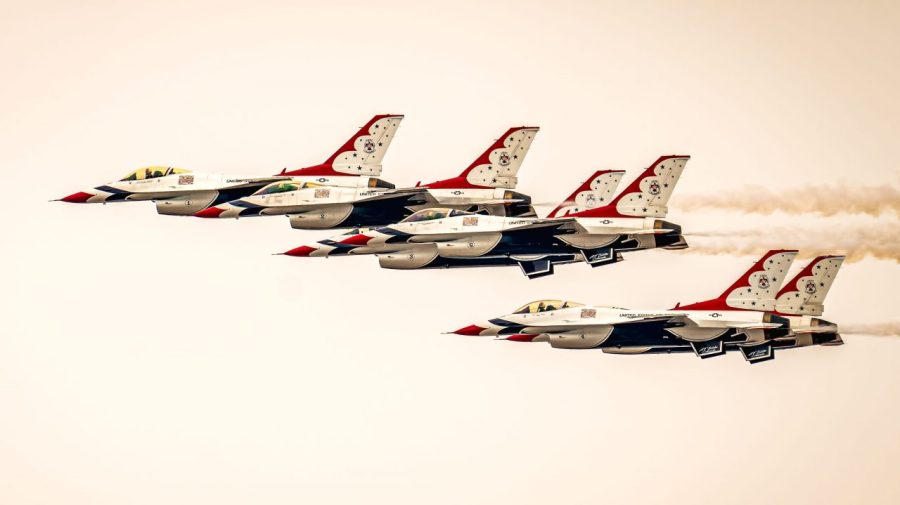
465 197
475 234
321 191
574 318
169 186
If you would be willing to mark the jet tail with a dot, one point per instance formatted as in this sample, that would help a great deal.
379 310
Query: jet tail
498 165
647 195
804 295
361 154
756 288
594 192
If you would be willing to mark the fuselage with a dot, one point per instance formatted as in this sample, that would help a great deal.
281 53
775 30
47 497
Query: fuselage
633 331
176 191
460 234
332 202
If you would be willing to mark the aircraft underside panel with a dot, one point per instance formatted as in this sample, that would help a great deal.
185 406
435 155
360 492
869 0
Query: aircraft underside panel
186 205
582 339
379 212
469 247
409 259
190 203
322 218
696 334
427 256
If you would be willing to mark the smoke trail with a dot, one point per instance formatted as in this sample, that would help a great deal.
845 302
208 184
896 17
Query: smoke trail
887 329
826 200
856 242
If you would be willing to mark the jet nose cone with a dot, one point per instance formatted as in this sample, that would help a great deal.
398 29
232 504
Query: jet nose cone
80 197
521 338
209 212
471 330
358 239
301 251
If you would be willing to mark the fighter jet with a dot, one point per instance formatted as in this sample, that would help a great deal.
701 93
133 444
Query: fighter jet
748 316
487 184
183 192
588 226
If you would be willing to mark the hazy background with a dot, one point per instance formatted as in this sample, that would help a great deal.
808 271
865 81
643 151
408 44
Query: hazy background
152 359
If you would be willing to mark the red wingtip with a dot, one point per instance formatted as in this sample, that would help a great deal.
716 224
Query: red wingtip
80 197
471 330
301 251
358 239
209 212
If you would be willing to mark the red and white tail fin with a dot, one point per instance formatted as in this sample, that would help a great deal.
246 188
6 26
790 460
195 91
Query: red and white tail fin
647 195
498 165
756 289
594 192
361 154
804 295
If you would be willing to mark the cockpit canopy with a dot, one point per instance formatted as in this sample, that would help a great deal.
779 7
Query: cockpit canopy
286 186
152 173
546 306
431 214
379 183
277 187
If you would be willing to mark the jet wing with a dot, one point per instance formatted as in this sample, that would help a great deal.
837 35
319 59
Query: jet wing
571 225
389 195
586 324
549 226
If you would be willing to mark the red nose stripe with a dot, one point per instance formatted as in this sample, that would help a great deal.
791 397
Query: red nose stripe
209 212
471 330
358 239
79 197
303 250
521 338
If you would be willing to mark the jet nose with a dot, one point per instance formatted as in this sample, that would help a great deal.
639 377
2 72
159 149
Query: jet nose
520 337
470 331
359 240
80 197
210 212
301 251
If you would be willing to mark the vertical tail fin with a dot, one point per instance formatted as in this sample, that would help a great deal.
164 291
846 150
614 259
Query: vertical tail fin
362 153
498 165
647 195
805 293
756 289
595 192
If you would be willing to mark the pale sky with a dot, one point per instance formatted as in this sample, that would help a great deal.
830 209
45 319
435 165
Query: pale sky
150 359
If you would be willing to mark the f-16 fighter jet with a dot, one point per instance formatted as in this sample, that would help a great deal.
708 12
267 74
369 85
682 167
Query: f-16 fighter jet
589 226
486 184
183 192
748 316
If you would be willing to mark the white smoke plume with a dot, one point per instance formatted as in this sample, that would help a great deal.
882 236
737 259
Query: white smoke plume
854 241
886 329
827 200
